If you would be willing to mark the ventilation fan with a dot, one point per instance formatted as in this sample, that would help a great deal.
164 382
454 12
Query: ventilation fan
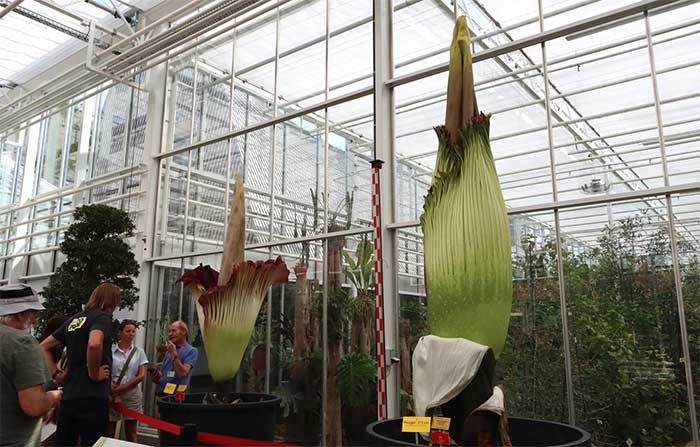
595 186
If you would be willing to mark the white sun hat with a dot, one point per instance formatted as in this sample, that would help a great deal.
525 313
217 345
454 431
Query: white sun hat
16 298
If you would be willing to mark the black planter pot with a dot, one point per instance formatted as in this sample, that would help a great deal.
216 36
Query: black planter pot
523 433
252 418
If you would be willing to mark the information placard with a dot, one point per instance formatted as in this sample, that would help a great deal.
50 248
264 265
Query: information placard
169 388
415 424
441 423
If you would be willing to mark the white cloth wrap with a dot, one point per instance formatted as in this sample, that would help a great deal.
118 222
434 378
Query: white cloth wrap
442 368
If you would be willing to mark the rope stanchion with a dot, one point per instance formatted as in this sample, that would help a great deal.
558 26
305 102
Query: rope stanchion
207 438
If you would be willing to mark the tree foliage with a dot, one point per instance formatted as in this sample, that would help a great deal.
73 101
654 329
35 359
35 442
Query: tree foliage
359 270
627 359
356 378
95 252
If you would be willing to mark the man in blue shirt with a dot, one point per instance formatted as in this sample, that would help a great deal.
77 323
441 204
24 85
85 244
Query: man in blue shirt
174 375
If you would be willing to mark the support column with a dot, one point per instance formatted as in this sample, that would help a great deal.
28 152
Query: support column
561 276
673 236
384 150
156 85
16 266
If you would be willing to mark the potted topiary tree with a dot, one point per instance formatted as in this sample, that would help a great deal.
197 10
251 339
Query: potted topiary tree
96 251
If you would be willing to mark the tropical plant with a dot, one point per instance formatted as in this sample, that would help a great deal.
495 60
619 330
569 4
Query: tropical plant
629 379
228 303
465 225
355 378
359 269
292 397
337 312
359 273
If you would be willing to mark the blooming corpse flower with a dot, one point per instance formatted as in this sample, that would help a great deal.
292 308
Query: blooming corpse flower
227 313
228 307
465 224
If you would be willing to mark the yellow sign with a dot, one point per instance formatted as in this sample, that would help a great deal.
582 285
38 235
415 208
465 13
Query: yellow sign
169 388
440 423
181 388
415 424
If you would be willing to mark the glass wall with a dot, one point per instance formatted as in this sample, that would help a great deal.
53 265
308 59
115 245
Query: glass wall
77 155
302 180
591 140
686 220
626 346
307 175
588 136
11 168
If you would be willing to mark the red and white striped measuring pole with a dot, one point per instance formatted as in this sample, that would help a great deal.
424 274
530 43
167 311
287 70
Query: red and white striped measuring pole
378 290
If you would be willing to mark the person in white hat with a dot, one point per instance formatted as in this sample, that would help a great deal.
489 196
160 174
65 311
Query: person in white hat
23 370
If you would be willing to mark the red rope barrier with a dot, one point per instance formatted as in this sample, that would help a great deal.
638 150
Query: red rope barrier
212 438
207 438
153 422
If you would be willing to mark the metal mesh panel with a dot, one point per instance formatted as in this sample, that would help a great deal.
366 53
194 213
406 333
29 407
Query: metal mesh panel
298 167
109 148
10 171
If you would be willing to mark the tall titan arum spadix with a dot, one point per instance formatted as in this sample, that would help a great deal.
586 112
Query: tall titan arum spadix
228 302
465 225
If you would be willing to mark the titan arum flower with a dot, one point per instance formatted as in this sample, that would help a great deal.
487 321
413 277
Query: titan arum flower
465 225
228 303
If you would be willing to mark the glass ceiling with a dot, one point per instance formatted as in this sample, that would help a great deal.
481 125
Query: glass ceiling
577 87
27 47
604 123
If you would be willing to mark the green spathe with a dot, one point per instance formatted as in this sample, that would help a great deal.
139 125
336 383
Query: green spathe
225 347
465 225
227 313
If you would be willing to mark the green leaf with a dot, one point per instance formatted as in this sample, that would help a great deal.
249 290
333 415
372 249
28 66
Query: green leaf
355 378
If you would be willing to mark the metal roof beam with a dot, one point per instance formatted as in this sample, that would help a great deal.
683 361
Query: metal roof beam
9 7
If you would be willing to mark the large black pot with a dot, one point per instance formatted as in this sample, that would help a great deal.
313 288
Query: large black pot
252 418
523 433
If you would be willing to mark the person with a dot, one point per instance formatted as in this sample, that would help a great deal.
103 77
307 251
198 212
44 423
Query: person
180 358
58 354
126 378
52 324
84 410
23 371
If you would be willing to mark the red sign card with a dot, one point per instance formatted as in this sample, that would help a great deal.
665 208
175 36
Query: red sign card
440 437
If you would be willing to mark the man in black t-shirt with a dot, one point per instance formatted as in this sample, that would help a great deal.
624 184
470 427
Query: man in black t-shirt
84 410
